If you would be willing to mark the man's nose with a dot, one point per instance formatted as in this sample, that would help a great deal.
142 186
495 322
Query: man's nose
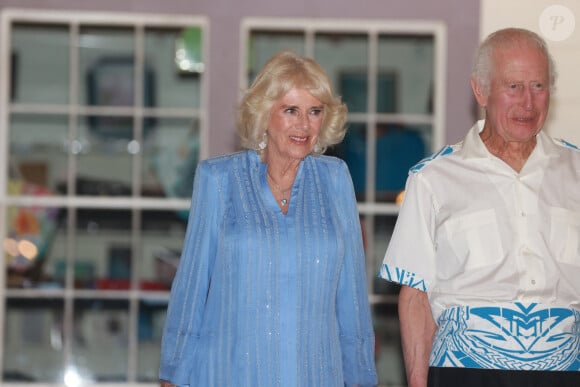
528 98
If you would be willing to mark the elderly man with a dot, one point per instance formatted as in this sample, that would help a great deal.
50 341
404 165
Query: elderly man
487 242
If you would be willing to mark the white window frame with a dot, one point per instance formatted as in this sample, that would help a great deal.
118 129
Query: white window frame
373 29
73 110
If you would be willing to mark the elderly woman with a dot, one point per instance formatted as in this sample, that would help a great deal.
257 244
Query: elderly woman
271 287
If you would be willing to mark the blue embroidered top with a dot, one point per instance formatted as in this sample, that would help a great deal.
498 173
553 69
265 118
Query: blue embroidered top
266 299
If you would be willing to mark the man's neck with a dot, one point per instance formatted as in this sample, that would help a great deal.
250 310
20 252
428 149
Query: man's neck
513 153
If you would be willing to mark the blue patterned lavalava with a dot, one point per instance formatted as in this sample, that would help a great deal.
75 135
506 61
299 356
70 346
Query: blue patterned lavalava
523 337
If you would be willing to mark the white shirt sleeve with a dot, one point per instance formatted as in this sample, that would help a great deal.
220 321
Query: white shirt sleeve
410 256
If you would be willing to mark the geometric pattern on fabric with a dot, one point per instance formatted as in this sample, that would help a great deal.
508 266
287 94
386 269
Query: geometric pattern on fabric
517 337
402 276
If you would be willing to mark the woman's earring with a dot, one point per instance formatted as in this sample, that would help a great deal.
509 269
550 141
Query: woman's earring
316 148
263 143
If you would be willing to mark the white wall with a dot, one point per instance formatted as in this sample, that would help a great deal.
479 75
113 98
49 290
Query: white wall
563 38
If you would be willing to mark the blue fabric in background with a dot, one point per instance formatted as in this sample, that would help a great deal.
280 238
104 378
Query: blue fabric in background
397 149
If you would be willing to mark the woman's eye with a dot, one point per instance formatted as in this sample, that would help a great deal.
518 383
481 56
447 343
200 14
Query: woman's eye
316 112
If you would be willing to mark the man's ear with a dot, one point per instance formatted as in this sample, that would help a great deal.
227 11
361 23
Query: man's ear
478 92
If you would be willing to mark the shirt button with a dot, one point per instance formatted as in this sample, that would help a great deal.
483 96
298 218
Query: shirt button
533 282
523 214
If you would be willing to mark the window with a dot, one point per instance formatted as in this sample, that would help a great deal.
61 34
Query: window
391 76
101 129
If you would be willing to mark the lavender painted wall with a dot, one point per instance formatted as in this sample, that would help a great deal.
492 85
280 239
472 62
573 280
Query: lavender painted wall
461 18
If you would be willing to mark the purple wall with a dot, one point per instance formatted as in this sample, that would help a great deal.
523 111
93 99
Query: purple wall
461 18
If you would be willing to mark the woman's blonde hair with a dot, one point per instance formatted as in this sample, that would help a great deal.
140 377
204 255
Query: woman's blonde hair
283 72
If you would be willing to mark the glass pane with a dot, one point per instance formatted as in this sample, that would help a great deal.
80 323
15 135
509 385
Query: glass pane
388 351
345 59
105 162
103 254
162 238
264 44
406 64
35 239
170 158
398 148
383 229
426 132
152 315
353 150
33 340
106 61
100 347
111 127
37 154
110 84
38 50
175 86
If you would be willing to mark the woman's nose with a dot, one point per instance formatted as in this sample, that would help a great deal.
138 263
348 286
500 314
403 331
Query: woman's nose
303 122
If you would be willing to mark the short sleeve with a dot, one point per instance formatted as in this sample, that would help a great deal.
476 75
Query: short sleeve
410 256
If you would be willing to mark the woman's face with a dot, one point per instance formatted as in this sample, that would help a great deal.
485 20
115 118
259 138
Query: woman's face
295 121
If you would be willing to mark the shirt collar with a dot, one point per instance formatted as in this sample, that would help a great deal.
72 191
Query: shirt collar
473 147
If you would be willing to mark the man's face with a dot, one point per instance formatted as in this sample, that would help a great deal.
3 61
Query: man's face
519 97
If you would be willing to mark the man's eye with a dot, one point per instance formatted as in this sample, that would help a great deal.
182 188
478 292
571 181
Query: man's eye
513 86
